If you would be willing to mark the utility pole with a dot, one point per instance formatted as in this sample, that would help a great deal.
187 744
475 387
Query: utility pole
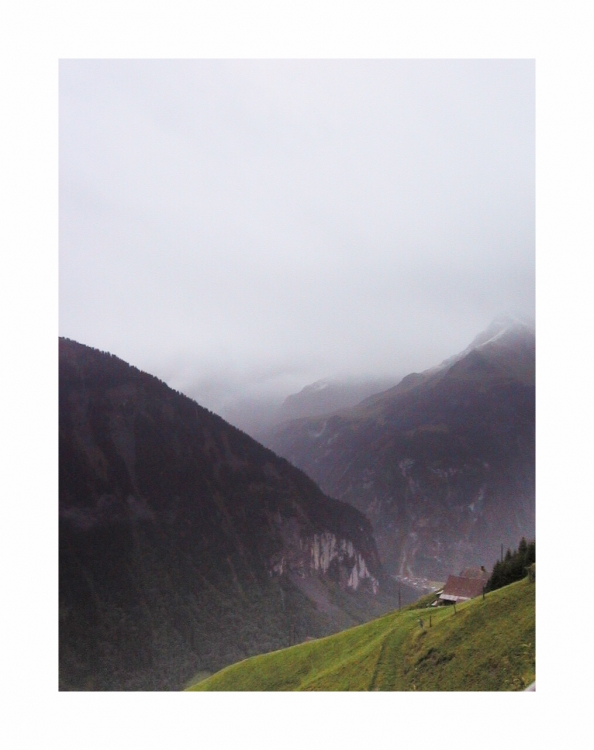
399 597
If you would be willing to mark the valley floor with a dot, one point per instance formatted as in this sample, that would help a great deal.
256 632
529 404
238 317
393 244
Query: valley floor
419 584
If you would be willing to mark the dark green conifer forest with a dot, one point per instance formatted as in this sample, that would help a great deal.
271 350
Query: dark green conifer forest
513 567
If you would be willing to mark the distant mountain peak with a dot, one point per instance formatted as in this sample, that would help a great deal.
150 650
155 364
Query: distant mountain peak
502 327
443 462
499 327
329 395
319 385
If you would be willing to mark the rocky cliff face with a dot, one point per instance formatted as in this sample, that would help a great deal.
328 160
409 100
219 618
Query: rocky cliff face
324 554
443 463
184 544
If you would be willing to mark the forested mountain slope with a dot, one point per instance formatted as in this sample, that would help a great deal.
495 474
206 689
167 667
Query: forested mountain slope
184 544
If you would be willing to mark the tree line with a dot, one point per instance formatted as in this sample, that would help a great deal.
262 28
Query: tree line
513 566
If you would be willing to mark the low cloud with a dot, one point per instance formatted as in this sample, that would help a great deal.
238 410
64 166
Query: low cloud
257 225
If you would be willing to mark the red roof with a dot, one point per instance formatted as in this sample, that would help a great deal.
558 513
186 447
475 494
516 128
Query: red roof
458 588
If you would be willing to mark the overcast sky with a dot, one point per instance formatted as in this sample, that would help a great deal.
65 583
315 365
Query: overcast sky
250 226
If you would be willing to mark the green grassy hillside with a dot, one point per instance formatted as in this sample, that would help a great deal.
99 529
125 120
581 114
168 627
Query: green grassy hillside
486 645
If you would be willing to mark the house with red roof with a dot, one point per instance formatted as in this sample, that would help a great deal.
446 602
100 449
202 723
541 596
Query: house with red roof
467 585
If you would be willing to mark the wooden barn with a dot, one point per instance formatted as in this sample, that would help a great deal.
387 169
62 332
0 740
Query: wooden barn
466 586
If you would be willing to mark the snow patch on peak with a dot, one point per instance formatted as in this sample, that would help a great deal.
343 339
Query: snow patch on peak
319 385
499 327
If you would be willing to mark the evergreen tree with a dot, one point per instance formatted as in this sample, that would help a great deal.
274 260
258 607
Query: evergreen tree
531 553
513 567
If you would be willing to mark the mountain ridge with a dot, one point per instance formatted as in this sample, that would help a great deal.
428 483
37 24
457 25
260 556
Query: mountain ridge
443 462
184 544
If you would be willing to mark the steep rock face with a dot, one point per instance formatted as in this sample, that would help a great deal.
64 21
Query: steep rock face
323 553
184 544
443 463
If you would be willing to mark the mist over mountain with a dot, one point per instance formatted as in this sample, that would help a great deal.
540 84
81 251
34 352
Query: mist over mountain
184 544
243 228
326 396
442 463
280 242
258 415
